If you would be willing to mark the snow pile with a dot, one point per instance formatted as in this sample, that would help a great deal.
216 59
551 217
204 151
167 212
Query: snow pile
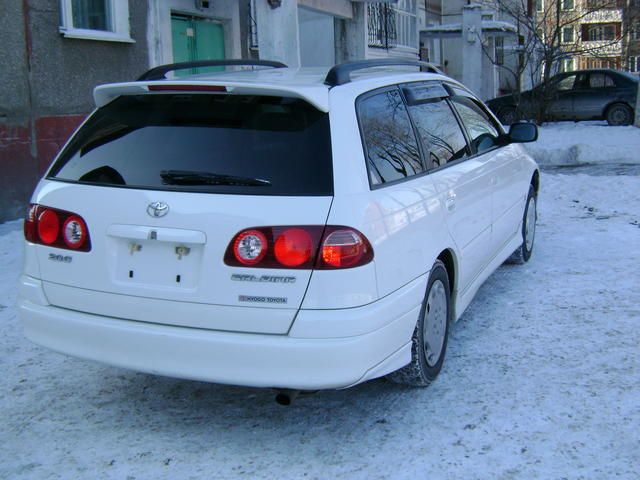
11 239
540 381
572 144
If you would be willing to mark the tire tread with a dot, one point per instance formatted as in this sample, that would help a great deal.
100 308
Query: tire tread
415 373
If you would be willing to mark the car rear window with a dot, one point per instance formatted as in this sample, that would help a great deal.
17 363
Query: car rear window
237 144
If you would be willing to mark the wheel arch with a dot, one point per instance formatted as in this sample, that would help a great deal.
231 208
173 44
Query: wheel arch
449 259
613 103
535 181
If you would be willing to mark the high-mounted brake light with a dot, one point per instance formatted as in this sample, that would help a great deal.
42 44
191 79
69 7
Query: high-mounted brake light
187 88
56 228
299 247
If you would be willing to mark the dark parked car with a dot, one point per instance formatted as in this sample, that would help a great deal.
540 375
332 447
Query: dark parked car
581 95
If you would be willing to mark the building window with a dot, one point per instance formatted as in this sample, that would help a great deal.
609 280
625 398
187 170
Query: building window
567 35
635 31
634 64
92 14
568 65
95 20
602 32
499 50
381 21
407 23
391 26
539 5
567 5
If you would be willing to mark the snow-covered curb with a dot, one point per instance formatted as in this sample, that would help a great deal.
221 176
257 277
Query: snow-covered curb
570 143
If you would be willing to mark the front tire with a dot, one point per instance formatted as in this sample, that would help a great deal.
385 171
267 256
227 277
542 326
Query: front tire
524 251
429 341
619 114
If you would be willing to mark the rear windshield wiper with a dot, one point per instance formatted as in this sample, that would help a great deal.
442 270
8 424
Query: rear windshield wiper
188 177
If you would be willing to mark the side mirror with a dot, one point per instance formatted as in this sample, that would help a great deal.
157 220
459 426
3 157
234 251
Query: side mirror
523 132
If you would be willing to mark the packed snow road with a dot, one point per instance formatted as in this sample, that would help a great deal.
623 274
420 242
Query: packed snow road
541 381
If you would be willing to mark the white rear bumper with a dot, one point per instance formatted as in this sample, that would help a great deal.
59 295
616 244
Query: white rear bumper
232 358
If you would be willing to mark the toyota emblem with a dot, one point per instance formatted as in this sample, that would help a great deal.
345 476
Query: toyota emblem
157 209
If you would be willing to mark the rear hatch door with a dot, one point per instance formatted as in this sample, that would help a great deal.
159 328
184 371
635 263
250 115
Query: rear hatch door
164 183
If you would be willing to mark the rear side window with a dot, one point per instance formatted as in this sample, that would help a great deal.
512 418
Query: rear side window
390 144
482 130
439 131
237 144
600 80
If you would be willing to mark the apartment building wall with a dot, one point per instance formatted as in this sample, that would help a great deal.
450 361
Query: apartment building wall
46 82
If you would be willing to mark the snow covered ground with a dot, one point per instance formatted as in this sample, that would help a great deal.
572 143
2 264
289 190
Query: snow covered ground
541 381
586 143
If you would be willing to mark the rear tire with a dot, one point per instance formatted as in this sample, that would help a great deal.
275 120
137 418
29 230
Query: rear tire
619 114
524 251
429 341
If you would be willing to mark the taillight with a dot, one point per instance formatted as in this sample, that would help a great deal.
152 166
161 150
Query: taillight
30 222
299 247
74 232
56 228
294 247
48 226
250 247
344 249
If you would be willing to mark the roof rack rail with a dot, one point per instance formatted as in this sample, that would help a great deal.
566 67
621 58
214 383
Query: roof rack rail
159 73
341 74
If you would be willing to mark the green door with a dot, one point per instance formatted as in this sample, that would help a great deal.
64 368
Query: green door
181 38
196 39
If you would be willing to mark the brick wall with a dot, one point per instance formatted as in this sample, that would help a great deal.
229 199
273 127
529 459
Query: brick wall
26 151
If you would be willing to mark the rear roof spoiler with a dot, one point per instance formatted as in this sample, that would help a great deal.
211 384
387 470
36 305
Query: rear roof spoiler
317 95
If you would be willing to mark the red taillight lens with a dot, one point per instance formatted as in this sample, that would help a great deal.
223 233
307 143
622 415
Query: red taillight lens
299 247
56 228
345 248
250 247
294 247
48 226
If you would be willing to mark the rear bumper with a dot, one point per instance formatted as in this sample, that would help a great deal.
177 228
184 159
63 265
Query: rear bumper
233 358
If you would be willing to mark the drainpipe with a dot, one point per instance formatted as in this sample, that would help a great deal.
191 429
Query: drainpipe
637 120
472 47
26 16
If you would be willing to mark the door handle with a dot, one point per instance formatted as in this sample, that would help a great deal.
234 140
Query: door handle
450 202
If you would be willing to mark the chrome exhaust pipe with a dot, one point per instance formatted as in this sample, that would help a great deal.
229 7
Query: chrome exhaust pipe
286 397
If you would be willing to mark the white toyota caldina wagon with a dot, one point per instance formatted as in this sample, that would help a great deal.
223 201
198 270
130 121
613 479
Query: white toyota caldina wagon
275 227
